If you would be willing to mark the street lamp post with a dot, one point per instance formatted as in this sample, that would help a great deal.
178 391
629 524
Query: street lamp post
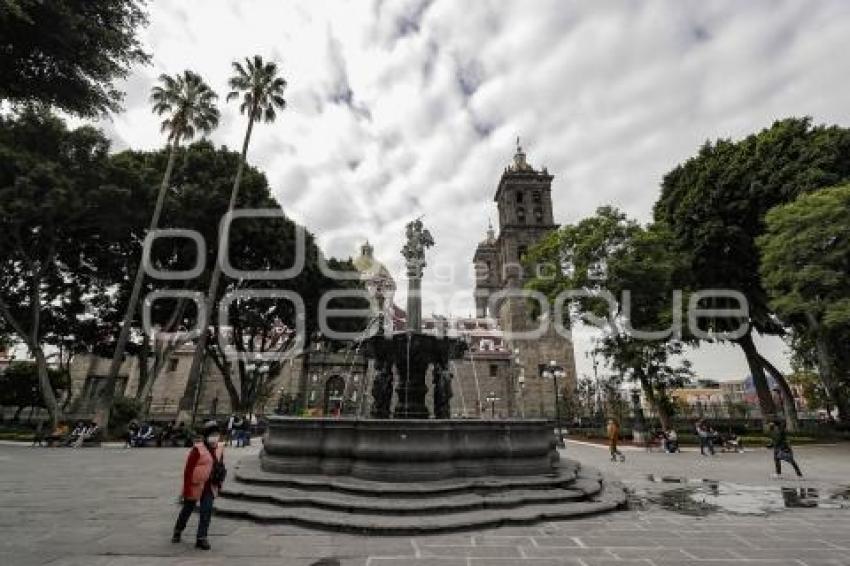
553 372
520 379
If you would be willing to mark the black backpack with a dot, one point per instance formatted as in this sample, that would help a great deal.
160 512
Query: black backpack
219 471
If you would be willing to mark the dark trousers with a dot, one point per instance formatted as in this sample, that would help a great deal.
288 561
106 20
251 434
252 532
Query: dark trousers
206 514
778 463
706 442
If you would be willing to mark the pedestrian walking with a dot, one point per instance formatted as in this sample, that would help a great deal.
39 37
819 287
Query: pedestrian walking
228 432
38 436
613 438
202 478
706 440
781 449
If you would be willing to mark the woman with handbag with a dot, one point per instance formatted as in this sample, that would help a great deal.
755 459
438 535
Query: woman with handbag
202 478
781 449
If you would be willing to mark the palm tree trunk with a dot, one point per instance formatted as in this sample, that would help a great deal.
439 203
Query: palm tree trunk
102 416
187 400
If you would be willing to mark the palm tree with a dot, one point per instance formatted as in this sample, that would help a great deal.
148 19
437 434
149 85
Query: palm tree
189 105
260 89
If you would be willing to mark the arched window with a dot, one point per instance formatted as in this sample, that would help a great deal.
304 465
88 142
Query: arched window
519 196
536 196
520 215
538 215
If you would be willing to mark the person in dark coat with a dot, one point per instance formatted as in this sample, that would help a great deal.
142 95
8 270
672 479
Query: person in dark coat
202 478
781 449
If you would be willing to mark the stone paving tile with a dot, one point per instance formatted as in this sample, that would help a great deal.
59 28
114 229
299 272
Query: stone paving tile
590 561
567 541
786 562
717 552
670 554
791 543
793 553
604 540
525 562
80 560
565 552
494 540
417 562
442 540
470 551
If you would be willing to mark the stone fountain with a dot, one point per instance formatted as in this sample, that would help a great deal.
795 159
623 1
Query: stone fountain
401 471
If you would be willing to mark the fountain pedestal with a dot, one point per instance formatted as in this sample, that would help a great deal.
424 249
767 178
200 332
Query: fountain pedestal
410 450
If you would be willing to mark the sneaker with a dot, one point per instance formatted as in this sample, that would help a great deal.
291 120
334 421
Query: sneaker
203 544
175 538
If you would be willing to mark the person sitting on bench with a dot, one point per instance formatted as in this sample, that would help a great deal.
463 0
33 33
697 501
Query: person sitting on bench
146 433
671 441
79 429
88 432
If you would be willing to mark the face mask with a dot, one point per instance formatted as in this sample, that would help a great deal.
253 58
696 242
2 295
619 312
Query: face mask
212 439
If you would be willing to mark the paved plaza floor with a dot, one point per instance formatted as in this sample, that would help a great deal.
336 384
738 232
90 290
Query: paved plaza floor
115 507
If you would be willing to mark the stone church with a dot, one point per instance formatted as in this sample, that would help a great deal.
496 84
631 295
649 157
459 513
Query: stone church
498 377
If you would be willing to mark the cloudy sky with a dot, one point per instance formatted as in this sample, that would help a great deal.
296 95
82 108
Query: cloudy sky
406 108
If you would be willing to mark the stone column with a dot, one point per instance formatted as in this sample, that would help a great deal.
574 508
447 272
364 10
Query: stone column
414 302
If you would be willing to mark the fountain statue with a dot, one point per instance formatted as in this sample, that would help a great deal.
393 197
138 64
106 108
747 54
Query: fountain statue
410 352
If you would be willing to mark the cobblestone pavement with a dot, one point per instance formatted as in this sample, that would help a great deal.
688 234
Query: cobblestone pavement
115 507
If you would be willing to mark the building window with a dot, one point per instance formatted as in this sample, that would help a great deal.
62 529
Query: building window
536 196
521 252
494 370
520 215
172 364
538 215
519 196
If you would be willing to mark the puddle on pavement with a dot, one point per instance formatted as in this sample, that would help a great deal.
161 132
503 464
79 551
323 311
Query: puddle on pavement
703 497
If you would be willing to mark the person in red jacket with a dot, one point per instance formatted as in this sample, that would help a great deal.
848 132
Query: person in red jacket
202 478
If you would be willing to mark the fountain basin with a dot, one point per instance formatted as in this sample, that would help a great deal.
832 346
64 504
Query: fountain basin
410 450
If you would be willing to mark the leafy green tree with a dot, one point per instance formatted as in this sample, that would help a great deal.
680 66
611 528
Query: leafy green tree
812 390
608 253
20 387
805 254
188 105
261 90
715 204
61 202
69 53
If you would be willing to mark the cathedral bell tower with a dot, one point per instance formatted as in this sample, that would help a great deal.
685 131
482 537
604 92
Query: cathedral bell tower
524 201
